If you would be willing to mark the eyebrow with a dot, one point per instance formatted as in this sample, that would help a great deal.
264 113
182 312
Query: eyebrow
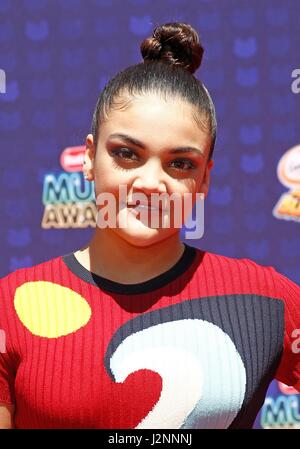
134 141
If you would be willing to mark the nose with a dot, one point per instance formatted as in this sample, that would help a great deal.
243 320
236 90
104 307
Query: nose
150 178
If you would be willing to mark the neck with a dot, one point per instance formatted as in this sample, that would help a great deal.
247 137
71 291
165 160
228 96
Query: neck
110 256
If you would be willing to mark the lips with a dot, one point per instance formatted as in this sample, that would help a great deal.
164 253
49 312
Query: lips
142 207
145 206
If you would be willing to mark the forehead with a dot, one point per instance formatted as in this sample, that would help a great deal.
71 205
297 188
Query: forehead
153 119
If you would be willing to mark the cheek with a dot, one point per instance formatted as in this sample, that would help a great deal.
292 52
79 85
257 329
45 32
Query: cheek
191 186
107 177
187 186
186 190
199 180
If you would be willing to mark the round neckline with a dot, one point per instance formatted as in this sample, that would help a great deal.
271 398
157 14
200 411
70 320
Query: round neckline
109 285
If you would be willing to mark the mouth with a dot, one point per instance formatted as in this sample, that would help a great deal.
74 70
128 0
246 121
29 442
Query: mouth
143 207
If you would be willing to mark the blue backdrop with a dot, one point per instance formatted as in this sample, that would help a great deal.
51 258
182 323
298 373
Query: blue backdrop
56 56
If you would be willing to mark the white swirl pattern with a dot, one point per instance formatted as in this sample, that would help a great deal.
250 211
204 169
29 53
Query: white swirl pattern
203 375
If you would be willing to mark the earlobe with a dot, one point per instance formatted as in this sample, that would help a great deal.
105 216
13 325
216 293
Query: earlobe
89 156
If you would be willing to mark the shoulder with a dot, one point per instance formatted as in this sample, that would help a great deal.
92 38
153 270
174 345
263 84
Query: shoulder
231 263
40 272
242 275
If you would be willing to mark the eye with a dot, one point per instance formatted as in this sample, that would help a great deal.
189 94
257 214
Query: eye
125 154
183 164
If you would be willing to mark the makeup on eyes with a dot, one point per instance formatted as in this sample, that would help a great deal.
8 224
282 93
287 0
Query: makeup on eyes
128 140
126 155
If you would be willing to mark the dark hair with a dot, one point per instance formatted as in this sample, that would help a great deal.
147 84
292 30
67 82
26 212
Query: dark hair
171 55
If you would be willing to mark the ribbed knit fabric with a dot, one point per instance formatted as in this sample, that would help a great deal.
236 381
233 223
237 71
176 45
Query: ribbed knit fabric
195 347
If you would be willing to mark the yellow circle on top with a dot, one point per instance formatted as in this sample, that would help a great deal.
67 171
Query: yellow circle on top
50 310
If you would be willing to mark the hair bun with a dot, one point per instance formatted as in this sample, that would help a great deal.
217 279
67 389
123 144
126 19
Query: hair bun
175 43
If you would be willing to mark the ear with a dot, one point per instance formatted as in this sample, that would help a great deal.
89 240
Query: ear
89 158
206 178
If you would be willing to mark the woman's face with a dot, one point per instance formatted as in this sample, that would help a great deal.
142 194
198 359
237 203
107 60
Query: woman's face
145 161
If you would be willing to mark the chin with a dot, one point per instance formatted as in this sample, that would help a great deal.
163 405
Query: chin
141 239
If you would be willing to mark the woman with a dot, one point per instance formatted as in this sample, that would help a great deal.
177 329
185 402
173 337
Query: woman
137 329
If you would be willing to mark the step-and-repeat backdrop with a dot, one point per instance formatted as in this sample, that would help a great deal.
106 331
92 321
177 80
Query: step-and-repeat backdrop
56 56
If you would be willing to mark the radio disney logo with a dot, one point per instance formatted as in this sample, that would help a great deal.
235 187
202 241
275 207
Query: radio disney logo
295 86
2 82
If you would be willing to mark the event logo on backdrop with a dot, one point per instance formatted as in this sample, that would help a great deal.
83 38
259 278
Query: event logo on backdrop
281 408
288 172
69 200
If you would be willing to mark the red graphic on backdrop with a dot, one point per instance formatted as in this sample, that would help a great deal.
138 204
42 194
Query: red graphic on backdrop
71 158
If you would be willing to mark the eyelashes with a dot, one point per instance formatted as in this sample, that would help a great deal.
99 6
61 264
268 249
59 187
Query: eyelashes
185 161
124 155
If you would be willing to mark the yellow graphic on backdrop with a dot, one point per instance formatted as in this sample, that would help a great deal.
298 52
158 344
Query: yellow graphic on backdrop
288 171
